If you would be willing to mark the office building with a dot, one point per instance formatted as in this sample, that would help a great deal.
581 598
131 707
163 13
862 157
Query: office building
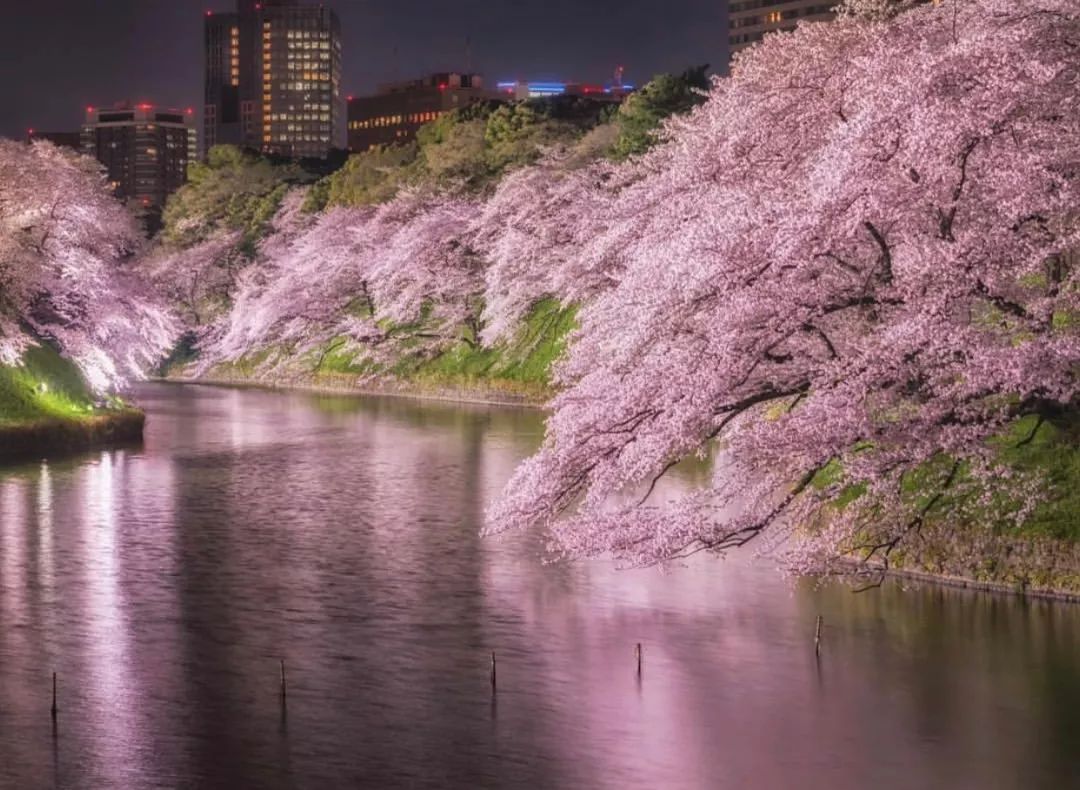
750 20
273 78
523 89
398 110
145 149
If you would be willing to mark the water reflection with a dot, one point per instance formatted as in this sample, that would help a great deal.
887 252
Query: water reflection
165 584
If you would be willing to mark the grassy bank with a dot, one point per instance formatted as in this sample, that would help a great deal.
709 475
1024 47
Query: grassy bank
46 407
967 533
516 371
972 540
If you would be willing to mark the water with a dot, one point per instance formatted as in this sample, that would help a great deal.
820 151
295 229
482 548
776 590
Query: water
164 584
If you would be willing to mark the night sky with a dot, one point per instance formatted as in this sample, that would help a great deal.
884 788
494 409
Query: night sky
60 55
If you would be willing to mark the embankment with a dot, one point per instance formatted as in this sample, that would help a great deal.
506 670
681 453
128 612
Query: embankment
46 408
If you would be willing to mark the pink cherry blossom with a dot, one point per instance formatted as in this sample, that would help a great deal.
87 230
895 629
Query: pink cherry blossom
67 274
854 253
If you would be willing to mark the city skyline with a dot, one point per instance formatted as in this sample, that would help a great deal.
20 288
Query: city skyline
142 52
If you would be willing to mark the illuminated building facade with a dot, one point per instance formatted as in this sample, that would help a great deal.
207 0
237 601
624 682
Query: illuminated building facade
521 90
221 113
273 78
397 112
750 20
145 149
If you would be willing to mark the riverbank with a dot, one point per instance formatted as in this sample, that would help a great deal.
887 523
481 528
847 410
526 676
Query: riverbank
993 588
339 384
1040 561
1031 565
1021 561
21 440
407 362
47 409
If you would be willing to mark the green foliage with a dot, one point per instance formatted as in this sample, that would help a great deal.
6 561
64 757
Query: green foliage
595 144
1051 448
46 407
43 386
831 474
640 116
373 176
526 360
521 366
517 134
318 196
475 145
453 148
234 190
183 353
512 122
1048 448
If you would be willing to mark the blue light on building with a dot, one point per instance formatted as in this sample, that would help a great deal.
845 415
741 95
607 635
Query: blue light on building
531 90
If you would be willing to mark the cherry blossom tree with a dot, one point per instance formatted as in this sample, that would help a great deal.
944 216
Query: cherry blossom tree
846 273
202 280
199 280
66 275
533 232
877 10
356 274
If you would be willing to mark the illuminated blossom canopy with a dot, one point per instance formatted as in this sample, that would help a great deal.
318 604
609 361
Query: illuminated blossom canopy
842 276
852 273
65 273
353 273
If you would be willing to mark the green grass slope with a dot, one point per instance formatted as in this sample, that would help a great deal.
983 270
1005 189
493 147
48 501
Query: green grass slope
517 370
45 406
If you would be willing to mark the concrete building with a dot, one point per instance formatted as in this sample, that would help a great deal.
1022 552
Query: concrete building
749 20
273 78
398 110
145 149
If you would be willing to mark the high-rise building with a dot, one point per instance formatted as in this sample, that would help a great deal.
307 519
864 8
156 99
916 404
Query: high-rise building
398 110
221 113
273 78
749 20
145 149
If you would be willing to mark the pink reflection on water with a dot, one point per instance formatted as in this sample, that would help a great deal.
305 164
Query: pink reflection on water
46 563
14 495
107 629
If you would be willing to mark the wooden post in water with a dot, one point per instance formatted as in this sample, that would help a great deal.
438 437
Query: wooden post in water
817 637
493 670
53 709
283 686
637 654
